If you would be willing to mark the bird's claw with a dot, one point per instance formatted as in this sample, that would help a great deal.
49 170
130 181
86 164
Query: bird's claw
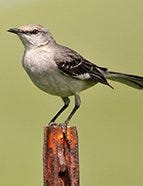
64 127
52 124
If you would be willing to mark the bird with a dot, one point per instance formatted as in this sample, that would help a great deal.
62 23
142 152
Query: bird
61 71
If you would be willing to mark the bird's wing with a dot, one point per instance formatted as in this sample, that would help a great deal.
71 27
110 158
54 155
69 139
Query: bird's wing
73 64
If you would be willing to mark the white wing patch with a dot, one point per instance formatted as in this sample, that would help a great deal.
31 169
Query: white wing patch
83 76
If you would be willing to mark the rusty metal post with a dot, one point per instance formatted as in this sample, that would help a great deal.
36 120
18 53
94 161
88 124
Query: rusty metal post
61 162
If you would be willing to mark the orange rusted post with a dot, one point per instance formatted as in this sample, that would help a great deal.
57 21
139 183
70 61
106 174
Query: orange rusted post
61 162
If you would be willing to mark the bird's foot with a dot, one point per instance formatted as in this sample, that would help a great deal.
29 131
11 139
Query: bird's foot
52 124
64 129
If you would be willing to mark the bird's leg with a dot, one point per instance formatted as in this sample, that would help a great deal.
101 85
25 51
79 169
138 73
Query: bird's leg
64 125
66 101
77 105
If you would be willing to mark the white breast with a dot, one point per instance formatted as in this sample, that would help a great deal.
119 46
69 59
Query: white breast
45 74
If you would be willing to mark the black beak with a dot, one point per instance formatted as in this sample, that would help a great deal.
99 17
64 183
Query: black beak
14 30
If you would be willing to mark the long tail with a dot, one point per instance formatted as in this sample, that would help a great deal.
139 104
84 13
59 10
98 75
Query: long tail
130 80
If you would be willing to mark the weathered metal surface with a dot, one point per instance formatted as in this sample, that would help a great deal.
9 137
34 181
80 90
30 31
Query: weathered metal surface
61 162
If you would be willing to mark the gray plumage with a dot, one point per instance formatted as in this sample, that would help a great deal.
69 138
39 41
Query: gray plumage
61 71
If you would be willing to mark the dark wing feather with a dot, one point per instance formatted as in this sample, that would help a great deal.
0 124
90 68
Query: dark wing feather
73 64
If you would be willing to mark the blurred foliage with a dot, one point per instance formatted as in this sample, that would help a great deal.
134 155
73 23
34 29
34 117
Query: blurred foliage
109 33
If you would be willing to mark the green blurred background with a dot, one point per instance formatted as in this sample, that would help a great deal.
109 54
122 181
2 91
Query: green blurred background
110 123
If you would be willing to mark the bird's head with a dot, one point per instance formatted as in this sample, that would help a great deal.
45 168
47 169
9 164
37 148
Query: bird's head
33 35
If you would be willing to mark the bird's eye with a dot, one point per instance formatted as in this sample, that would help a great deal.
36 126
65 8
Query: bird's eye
35 31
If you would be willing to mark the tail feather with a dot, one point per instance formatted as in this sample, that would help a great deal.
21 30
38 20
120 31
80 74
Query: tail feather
130 80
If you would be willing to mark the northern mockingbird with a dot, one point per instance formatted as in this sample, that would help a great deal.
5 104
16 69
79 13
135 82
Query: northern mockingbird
61 71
